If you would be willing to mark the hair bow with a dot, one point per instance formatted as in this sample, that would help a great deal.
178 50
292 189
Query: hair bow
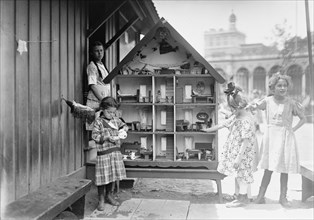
232 89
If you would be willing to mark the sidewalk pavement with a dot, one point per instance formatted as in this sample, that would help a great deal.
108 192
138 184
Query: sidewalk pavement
136 208
177 209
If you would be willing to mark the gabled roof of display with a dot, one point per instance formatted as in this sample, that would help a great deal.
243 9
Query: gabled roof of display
177 43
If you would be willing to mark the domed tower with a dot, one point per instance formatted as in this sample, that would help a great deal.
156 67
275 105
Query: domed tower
232 20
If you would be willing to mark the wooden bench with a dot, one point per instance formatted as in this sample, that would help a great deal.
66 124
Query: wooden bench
307 180
178 174
167 170
50 200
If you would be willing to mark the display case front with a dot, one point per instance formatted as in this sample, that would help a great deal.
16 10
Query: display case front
167 94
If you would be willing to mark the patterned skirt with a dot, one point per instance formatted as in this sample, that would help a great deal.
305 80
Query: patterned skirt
109 168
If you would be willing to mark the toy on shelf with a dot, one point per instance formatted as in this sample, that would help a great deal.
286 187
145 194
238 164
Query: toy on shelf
193 151
204 123
198 95
182 125
128 97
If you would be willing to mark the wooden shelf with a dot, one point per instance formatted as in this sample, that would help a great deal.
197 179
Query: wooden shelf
134 76
194 132
140 132
166 76
175 164
137 103
212 105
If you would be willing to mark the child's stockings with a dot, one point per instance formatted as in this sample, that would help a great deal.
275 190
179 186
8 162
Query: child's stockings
237 189
242 198
101 197
283 190
109 196
260 199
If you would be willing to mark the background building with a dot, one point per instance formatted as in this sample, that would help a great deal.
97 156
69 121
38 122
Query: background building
251 65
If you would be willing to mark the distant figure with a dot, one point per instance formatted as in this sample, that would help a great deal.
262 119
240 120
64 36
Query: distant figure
258 114
279 151
107 132
239 156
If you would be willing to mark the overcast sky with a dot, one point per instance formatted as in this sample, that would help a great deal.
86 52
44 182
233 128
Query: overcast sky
255 18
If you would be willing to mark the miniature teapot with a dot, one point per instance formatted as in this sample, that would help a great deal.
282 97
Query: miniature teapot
132 155
122 134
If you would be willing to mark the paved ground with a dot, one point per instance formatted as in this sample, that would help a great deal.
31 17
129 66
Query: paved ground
148 208
177 209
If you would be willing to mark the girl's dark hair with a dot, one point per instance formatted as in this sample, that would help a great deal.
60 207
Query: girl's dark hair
235 98
237 101
108 102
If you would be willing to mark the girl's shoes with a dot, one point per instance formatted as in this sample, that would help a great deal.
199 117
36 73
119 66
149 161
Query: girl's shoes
284 202
260 199
111 200
240 201
230 198
101 203
101 206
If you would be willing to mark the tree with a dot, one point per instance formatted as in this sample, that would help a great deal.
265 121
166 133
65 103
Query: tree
285 44
288 46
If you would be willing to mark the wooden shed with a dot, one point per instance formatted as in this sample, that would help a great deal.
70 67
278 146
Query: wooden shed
44 53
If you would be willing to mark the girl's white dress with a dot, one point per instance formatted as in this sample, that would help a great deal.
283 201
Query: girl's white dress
279 150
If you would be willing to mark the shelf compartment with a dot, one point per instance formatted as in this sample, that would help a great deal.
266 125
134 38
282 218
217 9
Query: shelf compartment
138 118
188 115
191 147
164 89
164 146
139 143
164 118
199 90
134 90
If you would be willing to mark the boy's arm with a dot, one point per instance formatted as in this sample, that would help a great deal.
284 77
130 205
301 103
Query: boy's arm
96 92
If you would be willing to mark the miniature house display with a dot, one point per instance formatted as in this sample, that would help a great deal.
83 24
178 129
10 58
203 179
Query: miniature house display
167 93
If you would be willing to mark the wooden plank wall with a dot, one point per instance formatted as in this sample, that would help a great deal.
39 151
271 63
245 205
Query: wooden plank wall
40 140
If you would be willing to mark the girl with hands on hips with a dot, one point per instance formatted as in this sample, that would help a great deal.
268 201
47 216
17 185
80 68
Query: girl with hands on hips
279 150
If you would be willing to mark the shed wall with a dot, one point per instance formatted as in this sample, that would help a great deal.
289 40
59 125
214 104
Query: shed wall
40 140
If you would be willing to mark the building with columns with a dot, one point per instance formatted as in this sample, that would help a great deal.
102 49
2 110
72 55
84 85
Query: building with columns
251 65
